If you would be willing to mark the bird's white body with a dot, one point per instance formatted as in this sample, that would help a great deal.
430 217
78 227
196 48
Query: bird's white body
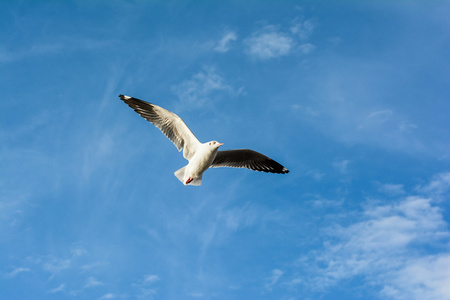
199 163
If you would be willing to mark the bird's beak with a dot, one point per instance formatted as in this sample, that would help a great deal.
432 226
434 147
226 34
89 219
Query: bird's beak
220 144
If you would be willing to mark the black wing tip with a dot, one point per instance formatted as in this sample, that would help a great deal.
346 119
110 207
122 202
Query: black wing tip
281 170
276 171
124 97
272 167
278 168
131 101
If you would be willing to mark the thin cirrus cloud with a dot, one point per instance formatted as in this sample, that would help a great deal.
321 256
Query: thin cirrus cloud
107 296
151 278
376 118
93 282
17 271
146 287
58 289
274 278
60 47
67 272
347 104
224 44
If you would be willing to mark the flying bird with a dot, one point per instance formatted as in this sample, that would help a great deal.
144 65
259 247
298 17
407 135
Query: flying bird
201 156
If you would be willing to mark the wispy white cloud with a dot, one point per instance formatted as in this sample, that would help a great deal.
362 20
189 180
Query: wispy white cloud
247 215
376 118
90 266
92 282
17 271
107 296
274 278
150 279
342 166
203 85
60 288
146 293
423 278
318 201
335 41
239 217
380 116
316 174
303 28
269 42
12 204
384 249
224 43
347 105
55 265
306 48
9 55
439 185
145 289
196 295
59 266
391 189
62 46
225 221
78 252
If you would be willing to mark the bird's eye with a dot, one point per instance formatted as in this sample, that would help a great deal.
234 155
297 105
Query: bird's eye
214 142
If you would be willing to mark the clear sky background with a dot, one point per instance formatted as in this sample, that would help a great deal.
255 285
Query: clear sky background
351 96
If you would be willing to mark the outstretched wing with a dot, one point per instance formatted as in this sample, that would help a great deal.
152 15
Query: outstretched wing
169 123
246 158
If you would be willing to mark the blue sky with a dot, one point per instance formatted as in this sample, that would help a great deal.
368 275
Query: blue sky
353 98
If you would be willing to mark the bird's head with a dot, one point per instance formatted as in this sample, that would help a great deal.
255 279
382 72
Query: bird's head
214 144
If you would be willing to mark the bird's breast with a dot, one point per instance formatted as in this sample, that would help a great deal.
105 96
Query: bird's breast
201 161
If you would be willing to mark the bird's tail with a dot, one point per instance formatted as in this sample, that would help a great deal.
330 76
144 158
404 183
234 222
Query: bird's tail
197 181
180 175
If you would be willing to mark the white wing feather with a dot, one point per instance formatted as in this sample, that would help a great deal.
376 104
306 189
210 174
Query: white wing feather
169 123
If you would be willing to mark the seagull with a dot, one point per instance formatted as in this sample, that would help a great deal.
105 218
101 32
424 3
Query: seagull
201 156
